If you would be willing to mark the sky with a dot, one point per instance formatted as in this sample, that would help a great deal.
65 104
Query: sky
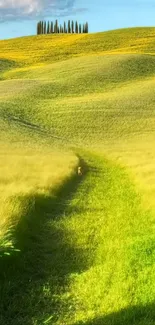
19 17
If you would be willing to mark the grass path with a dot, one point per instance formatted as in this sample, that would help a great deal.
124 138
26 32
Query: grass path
86 255
32 280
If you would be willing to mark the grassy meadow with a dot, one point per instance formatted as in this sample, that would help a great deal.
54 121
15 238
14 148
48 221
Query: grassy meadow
78 250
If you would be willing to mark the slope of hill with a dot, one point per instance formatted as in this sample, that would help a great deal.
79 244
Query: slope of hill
104 98
50 48
86 245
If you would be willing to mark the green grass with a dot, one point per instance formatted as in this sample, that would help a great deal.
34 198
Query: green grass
82 257
78 250
36 50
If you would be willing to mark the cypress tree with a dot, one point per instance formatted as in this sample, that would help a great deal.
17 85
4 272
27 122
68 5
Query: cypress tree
86 27
51 28
76 27
69 27
65 29
61 29
80 28
44 27
58 30
48 28
72 26
56 26
39 28
83 29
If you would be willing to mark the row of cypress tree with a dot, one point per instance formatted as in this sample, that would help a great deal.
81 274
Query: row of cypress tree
44 27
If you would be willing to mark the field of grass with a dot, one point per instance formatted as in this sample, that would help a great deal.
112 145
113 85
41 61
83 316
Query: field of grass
78 250
36 50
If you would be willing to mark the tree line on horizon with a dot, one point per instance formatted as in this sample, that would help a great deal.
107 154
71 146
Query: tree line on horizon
44 27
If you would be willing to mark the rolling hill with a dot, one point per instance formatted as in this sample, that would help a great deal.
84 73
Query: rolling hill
78 250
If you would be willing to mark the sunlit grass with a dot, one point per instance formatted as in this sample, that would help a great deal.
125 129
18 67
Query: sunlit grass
117 237
30 172
85 245
33 50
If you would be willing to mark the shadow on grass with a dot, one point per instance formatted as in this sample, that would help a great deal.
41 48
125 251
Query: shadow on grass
6 65
33 280
136 315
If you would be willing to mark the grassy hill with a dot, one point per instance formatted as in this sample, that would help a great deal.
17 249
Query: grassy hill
51 48
78 250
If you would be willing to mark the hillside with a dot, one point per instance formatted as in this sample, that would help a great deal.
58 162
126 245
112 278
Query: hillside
51 48
78 250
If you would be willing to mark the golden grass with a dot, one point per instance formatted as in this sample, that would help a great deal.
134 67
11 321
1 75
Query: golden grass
137 154
27 172
36 50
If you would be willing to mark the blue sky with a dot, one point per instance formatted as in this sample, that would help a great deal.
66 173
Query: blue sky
19 17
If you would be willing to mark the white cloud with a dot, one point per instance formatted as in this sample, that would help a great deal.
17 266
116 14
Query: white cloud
23 4
30 9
